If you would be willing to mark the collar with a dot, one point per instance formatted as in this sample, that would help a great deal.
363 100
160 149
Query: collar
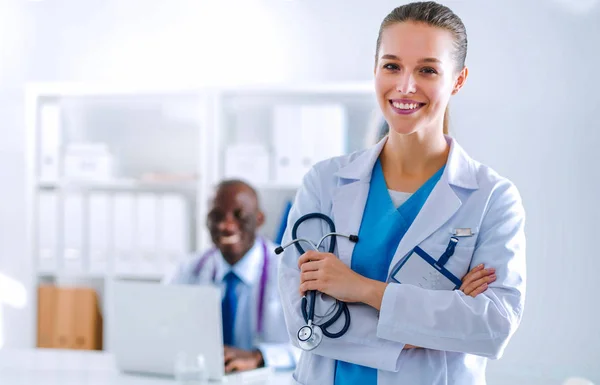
248 269
460 168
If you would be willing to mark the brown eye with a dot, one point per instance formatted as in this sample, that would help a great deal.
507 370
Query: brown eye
239 214
428 70
215 217
391 66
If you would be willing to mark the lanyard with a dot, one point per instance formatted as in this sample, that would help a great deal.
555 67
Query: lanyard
263 278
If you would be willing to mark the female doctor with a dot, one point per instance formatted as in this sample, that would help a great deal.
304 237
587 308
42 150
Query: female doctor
408 198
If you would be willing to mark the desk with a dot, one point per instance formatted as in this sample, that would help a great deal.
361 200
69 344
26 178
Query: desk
70 367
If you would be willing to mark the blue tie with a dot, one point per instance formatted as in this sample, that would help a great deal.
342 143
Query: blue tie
229 306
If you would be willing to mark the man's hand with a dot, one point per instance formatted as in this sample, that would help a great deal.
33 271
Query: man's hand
237 360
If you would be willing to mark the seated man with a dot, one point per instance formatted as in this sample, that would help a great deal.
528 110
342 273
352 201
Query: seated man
254 331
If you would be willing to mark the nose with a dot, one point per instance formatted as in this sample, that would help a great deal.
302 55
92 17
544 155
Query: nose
228 223
406 83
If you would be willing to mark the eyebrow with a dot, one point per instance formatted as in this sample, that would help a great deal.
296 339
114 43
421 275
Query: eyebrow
425 60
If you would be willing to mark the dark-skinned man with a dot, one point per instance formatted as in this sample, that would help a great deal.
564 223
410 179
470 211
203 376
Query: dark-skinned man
245 265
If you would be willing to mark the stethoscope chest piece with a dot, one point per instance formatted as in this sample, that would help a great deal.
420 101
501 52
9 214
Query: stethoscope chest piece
309 337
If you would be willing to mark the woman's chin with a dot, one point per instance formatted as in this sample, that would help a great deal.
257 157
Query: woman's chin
403 130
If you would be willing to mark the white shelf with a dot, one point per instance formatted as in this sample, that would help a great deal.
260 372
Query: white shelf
277 186
106 275
70 274
119 185
141 276
203 116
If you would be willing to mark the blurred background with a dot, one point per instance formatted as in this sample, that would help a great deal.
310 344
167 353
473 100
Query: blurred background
117 116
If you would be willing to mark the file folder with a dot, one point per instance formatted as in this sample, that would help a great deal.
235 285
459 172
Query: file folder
47 233
98 232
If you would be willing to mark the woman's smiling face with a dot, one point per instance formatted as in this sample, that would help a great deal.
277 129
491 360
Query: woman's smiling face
415 75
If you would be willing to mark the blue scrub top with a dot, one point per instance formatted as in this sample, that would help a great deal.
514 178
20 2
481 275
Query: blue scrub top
382 228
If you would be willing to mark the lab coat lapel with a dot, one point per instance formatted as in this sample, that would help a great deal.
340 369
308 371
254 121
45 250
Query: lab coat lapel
350 197
442 203
348 207
437 210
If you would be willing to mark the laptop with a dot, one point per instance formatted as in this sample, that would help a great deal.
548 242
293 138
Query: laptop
154 323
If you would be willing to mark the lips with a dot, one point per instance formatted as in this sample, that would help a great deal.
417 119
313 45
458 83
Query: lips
229 239
405 106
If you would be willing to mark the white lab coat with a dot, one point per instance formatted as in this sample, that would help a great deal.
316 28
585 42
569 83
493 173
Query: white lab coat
273 341
458 333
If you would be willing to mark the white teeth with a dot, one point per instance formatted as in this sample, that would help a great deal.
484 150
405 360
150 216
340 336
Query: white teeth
230 240
405 106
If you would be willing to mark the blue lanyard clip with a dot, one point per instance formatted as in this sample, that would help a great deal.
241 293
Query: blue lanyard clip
449 251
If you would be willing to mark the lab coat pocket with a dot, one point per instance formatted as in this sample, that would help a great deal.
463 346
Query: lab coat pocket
460 261
466 235
458 264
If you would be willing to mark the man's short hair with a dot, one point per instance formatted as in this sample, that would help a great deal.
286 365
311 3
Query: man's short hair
237 182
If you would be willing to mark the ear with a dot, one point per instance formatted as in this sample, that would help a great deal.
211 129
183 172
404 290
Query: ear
460 80
260 218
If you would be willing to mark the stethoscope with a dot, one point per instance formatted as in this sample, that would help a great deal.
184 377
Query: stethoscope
310 335
264 276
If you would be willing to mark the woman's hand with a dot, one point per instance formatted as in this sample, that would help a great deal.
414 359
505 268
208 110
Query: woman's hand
476 281
328 274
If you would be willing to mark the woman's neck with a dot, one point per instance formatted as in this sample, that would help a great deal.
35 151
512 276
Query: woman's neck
410 160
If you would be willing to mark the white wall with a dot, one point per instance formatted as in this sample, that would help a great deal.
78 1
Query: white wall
14 265
527 110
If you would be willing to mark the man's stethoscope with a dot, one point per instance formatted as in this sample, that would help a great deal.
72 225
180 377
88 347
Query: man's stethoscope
310 335
264 276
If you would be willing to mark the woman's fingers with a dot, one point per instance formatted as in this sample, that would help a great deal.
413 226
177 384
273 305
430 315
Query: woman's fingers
310 256
307 286
477 287
468 277
476 274
308 276
310 266
478 290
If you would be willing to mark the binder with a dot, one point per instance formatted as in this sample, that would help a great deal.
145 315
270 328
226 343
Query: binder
174 230
248 161
98 232
123 232
146 233
50 137
73 232
47 224
304 135
287 129
324 128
